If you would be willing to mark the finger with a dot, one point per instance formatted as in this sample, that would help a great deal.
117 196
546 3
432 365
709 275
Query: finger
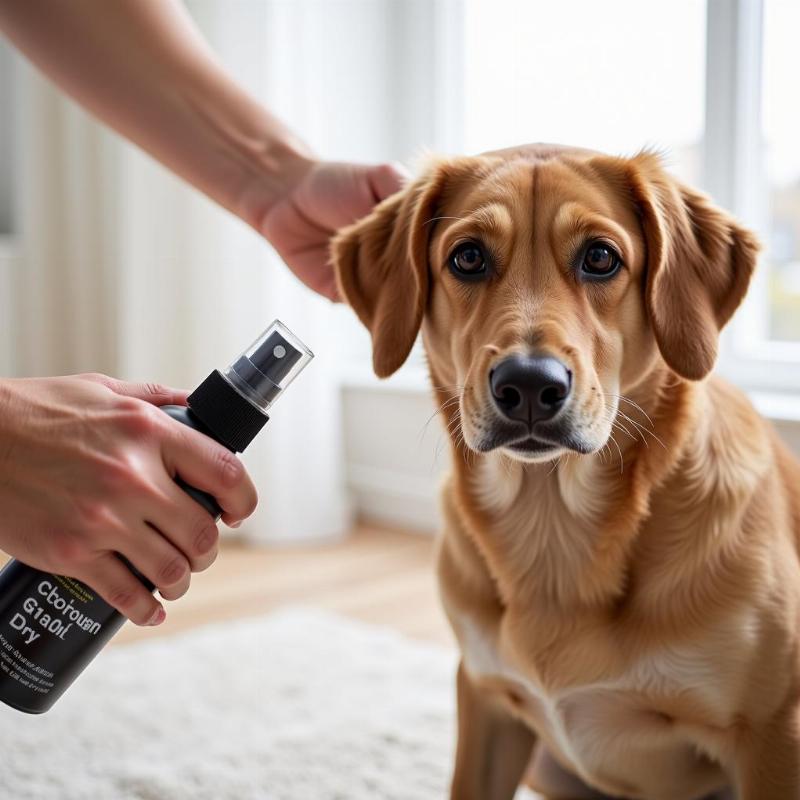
210 467
154 393
187 526
158 560
326 284
120 588
386 179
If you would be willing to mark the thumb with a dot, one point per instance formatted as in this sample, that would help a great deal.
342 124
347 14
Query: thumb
386 179
154 393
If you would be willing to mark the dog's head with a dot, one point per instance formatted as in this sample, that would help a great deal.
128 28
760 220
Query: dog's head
548 282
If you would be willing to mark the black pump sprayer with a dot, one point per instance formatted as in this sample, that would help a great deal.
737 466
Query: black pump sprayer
52 626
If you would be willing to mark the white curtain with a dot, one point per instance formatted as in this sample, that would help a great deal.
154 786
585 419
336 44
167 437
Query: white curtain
130 272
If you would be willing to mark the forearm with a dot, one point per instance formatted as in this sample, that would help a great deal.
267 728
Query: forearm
142 67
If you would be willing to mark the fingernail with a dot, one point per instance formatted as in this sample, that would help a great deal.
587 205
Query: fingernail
237 524
158 616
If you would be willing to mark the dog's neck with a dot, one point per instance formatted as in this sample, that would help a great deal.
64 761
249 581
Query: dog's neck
563 533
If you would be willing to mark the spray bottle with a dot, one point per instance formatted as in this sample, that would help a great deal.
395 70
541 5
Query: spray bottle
52 626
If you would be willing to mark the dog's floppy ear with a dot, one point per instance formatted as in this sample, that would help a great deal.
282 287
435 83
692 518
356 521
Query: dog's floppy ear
381 265
699 264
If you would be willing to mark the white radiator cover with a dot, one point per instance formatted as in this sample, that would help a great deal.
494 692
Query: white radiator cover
396 453
10 261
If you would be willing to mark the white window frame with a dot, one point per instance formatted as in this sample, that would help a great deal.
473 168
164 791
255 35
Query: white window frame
735 175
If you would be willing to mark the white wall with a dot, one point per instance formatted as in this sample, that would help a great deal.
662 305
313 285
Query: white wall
396 452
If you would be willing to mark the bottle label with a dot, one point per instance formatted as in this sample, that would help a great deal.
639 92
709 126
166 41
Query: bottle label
16 666
48 610
48 623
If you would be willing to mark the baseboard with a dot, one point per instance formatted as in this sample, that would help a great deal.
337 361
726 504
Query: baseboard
395 497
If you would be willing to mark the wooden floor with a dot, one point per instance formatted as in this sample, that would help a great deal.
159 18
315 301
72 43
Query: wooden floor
375 574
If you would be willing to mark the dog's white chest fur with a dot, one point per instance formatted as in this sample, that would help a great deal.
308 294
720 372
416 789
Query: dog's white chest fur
596 727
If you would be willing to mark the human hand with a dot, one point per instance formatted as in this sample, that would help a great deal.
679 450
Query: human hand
86 472
324 198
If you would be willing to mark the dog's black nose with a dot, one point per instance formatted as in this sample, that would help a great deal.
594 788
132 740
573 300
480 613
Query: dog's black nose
530 388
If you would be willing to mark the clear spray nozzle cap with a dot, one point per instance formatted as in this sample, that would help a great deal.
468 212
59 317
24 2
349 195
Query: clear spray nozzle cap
269 365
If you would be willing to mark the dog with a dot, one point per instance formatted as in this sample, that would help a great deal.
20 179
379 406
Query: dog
619 560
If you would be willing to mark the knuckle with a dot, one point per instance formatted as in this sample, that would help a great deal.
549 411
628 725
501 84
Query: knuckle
92 513
174 592
122 598
229 468
173 571
95 377
124 476
67 551
205 537
155 389
117 474
137 418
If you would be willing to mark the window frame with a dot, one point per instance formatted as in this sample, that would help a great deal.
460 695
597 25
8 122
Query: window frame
735 175
732 171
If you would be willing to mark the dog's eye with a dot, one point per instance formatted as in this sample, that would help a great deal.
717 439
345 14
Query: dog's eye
468 261
600 260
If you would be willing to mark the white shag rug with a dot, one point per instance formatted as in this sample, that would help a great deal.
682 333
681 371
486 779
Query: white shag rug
297 705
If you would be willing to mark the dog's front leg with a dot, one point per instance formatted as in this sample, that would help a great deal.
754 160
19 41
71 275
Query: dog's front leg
768 762
493 748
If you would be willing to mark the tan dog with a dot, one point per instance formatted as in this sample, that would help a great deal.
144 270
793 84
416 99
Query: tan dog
620 553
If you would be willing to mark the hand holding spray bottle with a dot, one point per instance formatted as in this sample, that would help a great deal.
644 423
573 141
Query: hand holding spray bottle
52 626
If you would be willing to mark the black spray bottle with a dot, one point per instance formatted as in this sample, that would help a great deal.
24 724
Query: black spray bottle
52 626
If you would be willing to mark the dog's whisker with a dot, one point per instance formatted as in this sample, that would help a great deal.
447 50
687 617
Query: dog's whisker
438 451
643 429
453 387
456 421
459 441
639 435
446 404
620 427
554 467
616 444
625 399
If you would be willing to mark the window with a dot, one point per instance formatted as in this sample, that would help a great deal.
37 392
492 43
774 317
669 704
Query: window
711 83
780 128
751 166
613 76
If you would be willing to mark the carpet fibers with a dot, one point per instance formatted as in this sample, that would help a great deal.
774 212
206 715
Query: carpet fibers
297 705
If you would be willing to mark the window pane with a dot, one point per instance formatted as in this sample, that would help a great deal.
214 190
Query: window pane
781 132
615 76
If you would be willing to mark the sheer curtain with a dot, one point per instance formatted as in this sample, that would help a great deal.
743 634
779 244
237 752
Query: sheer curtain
129 272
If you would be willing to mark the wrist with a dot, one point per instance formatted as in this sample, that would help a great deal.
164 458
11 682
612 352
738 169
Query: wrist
279 168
